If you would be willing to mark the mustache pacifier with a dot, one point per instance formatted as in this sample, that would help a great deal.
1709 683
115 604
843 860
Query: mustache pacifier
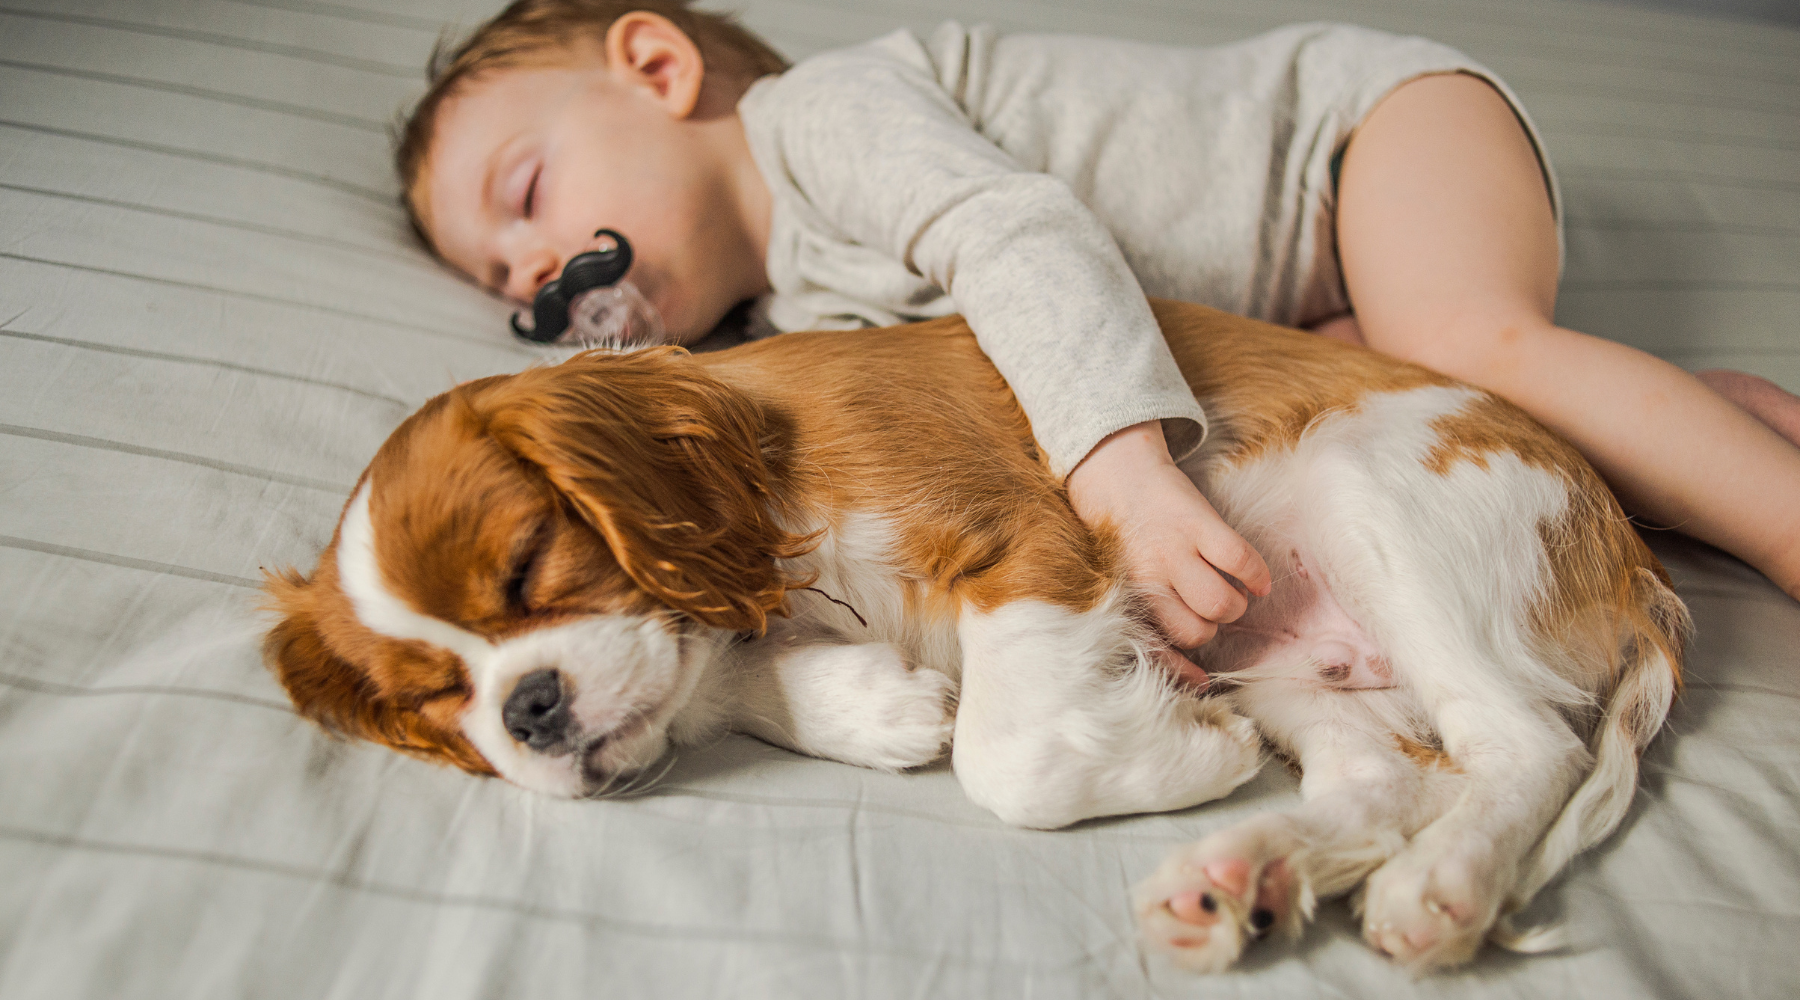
592 304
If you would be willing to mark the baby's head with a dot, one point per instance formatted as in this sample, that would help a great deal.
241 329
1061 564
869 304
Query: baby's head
561 117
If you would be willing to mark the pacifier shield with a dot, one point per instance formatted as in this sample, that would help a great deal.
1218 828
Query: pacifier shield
597 268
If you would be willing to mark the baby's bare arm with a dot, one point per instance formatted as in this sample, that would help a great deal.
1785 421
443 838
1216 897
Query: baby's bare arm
1450 257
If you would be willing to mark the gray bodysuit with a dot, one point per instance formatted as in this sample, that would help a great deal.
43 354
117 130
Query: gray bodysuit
1043 185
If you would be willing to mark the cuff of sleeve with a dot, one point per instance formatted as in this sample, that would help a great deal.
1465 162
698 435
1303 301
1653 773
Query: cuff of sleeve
1184 435
1183 423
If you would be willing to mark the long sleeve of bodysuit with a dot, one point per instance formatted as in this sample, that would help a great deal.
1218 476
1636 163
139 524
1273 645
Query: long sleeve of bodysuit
873 163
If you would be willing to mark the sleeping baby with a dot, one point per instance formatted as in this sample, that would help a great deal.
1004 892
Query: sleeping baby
1369 187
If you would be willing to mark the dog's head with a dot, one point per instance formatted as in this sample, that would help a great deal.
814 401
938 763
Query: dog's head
526 577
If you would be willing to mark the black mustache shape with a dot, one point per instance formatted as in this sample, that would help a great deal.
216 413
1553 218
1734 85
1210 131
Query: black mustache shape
593 269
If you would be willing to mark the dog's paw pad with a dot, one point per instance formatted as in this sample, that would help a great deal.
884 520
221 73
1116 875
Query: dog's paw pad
1201 907
1427 916
1183 914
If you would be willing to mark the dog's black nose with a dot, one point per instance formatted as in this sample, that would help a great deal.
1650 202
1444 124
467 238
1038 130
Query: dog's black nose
537 712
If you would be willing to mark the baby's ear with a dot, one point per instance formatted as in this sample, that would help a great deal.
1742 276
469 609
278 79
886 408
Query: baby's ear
666 463
647 50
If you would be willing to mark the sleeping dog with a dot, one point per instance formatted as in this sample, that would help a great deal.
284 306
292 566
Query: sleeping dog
847 544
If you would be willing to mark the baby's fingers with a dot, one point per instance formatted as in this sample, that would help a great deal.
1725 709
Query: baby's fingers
1184 628
1227 551
1207 593
1181 670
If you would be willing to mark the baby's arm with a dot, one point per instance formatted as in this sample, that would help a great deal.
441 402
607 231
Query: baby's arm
884 156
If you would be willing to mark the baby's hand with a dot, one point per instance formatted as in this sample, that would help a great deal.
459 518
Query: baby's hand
1176 545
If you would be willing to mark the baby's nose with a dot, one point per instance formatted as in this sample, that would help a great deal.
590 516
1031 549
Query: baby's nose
531 273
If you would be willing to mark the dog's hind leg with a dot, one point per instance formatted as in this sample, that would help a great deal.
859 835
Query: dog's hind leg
1432 905
1462 648
1062 717
1440 552
1462 645
1364 794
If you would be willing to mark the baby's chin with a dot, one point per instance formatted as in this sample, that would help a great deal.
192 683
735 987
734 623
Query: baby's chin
689 338
716 327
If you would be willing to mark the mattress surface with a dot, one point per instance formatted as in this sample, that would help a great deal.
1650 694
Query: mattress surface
211 314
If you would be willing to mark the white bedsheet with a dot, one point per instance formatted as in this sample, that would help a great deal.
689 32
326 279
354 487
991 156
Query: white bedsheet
211 315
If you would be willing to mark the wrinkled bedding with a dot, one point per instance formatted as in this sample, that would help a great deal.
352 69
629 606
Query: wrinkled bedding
210 316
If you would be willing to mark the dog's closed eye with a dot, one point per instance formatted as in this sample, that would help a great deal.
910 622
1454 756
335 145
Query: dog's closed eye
519 578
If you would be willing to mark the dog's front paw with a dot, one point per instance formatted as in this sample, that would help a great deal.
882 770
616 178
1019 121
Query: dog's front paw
908 714
873 711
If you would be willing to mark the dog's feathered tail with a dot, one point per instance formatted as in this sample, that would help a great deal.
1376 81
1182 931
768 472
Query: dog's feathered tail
1656 628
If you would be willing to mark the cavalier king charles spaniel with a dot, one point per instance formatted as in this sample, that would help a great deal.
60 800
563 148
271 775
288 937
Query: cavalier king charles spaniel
848 544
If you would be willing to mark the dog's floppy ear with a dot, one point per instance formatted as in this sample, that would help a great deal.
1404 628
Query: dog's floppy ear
339 696
666 463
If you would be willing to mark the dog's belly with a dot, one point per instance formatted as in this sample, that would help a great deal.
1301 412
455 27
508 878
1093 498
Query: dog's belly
1301 632
1353 521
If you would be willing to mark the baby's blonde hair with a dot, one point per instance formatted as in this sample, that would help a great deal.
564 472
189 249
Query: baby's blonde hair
542 32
